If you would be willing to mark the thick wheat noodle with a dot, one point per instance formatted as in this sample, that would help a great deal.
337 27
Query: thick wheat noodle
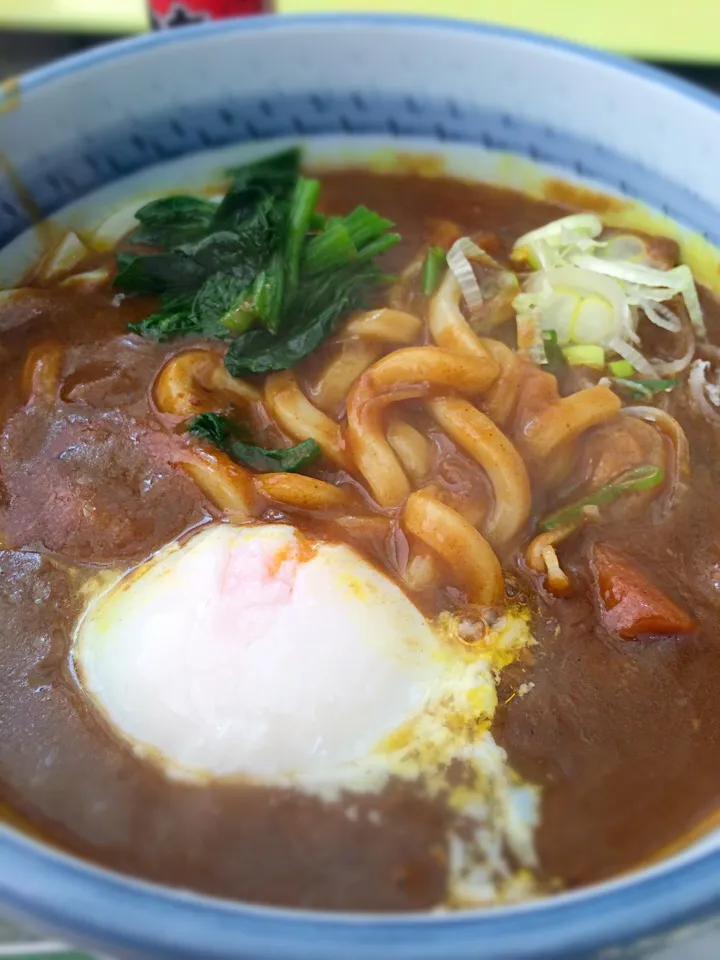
384 325
359 344
411 447
458 543
429 370
448 327
408 373
374 528
552 430
294 413
224 483
350 361
478 436
42 371
450 330
556 580
534 552
548 435
500 400
300 492
197 381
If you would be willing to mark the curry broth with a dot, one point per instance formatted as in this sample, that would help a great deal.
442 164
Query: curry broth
622 737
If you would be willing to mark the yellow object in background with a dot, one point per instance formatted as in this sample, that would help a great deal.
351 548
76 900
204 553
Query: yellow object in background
76 16
654 29
688 30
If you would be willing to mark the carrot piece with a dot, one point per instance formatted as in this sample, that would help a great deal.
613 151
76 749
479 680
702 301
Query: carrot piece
632 605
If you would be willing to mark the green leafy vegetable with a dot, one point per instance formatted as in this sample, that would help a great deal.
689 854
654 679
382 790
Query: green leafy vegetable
432 271
223 304
637 478
174 320
172 221
164 273
259 351
262 268
643 389
275 174
223 433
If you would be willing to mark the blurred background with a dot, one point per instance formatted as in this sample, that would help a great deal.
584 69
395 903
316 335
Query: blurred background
684 37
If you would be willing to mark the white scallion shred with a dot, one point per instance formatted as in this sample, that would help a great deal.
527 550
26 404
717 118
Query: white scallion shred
590 291
669 368
660 315
626 247
628 352
566 231
459 265
664 284
560 298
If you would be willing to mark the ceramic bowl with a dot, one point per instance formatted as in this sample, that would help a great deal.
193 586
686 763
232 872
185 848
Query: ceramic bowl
163 110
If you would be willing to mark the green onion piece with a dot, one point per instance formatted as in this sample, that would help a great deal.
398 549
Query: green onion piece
585 355
329 250
644 389
374 249
637 478
621 368
302 205
555 361
432 271
365 225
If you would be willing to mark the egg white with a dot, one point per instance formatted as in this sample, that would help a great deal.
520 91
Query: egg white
255 653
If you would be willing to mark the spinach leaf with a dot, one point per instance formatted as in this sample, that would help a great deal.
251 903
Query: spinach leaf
157 273
222 250
263 268
222 432
260 351
271 178
184 268
282 460
223 304
274 174
172 221
173 320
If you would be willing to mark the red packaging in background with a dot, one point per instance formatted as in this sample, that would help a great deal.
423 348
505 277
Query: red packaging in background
178 13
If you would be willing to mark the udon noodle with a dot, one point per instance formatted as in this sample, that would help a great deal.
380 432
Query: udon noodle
353 571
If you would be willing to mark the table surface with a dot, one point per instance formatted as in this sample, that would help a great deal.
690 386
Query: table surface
23 51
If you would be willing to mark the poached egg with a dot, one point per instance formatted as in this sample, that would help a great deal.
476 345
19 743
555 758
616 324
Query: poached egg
258 654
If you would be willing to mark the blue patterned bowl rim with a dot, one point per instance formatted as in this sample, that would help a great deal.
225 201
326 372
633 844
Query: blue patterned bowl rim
98 907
